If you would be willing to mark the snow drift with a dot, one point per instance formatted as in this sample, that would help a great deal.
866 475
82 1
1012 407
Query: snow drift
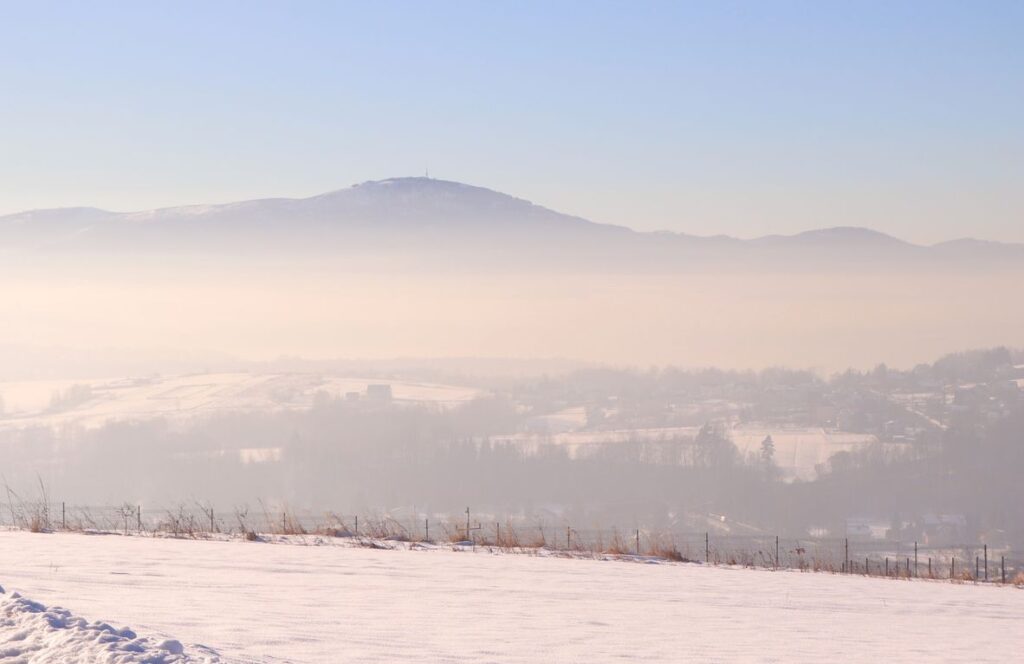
32 632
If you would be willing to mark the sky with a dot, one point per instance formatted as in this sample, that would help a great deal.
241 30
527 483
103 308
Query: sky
708 118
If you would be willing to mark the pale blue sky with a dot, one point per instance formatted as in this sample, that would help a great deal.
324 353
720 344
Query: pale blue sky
739 118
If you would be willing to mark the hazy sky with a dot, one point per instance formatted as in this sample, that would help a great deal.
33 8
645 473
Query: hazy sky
745 119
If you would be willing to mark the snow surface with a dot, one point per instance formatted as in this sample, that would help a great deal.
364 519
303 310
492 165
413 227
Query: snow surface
799 450
32 632
260 602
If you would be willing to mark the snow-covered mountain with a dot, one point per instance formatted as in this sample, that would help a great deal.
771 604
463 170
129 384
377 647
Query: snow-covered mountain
422 221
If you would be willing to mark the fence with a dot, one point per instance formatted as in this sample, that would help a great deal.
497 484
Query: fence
889 558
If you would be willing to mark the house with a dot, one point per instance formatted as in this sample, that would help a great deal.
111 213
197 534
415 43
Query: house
944 527
379 392
867 527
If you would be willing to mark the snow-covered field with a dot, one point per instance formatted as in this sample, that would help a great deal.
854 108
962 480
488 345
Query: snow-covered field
798 449
29 403
258 602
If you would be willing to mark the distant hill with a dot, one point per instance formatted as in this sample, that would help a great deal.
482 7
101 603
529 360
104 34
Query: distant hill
420 222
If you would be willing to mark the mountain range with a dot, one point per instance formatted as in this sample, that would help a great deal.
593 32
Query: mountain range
422 222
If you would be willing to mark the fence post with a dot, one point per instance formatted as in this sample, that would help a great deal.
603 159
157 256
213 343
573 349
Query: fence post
357 525
63 521
986 562
846 561
952 568
426 528
776 552
638 541
887 567
867 569
1002 564
707 549
929 567
915 560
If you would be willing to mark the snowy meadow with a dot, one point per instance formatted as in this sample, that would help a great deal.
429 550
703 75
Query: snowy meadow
288 602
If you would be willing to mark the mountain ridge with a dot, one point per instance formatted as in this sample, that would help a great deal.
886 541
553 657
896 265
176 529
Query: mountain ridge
442 215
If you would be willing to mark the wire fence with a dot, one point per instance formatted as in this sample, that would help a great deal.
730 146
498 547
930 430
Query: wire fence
975 562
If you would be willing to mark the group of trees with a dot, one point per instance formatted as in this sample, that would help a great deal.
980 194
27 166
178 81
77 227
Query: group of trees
351 457
346 458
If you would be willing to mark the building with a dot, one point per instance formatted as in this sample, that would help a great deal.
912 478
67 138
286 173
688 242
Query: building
379 392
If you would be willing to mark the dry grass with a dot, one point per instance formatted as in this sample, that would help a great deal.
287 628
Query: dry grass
200 521
180 523
670 553
664 546
618 546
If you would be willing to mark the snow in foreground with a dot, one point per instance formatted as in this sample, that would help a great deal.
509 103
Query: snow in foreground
261 602
32 632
